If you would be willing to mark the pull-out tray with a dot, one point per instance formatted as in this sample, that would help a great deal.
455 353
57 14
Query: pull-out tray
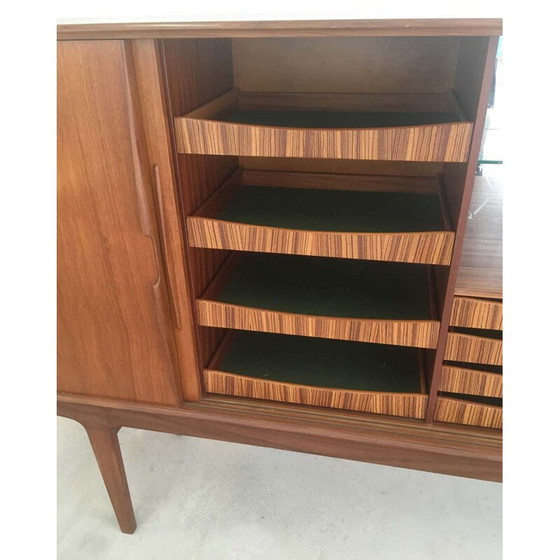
320 372
387 303
401 219
399 127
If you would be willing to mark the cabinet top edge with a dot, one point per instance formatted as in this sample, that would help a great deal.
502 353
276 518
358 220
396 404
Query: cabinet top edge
292 28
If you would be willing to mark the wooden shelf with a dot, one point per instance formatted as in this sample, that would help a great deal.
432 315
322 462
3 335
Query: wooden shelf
318 372
398 127
401 219
387 303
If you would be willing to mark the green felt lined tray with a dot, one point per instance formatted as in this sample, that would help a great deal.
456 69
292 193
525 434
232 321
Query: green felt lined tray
333 210
329 287
322 363
336 119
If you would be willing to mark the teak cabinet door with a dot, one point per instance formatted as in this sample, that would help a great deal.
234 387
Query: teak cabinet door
115 335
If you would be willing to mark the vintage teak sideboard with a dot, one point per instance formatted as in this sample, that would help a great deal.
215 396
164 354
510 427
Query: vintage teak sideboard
260 237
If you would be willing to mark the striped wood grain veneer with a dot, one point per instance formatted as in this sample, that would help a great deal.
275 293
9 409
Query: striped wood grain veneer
317 372
202 132
476 313
475 349
422 334
425 247
205 230
457 411
364 301
394 404
470 381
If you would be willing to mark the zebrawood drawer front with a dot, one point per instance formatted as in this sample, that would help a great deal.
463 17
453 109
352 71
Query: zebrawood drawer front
422 334
458 411
476 313
319 372
475 349
224 126
394 404
341 216
365 301
470 381
426 247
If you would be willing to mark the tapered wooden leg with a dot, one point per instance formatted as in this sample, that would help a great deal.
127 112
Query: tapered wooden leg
105 443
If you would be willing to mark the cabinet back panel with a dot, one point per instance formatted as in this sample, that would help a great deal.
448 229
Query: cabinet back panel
346 64
112 311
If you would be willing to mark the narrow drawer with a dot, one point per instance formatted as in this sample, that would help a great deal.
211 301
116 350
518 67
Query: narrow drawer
457 411
462 347
455 379
476 313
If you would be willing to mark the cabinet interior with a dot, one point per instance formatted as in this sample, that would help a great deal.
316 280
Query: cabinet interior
319 82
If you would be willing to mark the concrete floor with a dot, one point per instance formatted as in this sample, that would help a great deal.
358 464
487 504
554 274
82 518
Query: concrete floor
198 499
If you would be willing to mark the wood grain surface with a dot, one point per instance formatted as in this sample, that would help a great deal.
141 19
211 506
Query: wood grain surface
458 182
422 334
205 231
290 28
394 404
212 311
193 73
105 445
470 381
470 413
430 143
403 442
114 321
477 313
424 247
480 270
476 349
346 65
161 154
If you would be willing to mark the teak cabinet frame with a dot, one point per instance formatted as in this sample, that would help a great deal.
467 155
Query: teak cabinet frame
131 349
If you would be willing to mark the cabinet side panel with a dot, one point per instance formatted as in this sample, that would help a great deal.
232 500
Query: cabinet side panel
113 312
196 71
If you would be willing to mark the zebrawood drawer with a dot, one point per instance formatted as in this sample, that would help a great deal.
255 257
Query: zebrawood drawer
457 411
476 313
326 215
274 125
319 372
470 381
463 347
392 404
365 301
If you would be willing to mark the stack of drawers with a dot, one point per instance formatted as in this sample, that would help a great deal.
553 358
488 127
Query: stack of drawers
470 390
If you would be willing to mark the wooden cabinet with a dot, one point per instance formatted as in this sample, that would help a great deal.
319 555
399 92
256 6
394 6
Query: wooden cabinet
260 236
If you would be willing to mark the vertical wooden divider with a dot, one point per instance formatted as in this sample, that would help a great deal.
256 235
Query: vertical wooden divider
194 72
457 178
